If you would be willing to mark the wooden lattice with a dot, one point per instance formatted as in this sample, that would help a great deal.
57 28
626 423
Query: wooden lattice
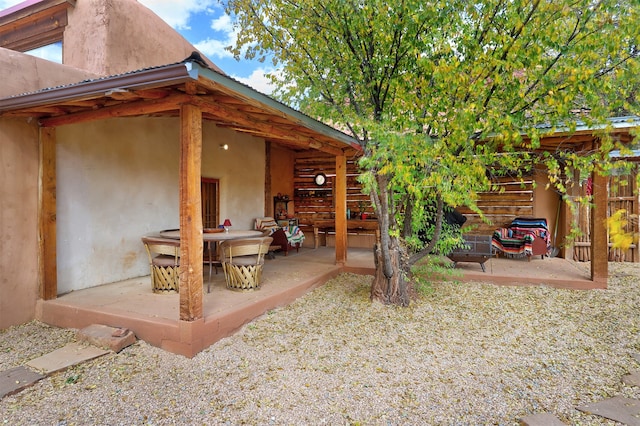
164 261
242 262
241 277
164 279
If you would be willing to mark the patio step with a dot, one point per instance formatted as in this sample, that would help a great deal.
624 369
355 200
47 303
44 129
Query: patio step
112 338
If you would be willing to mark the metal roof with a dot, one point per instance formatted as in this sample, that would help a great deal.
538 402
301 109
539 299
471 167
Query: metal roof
159 91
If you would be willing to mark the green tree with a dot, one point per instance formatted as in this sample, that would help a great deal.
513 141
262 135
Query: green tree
439 92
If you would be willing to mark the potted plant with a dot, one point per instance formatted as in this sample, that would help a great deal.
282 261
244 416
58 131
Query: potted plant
363 210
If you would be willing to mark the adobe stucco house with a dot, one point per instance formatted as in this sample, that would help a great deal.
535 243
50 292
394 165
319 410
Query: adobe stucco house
113 144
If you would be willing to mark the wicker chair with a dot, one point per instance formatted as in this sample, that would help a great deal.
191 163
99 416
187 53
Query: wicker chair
164 262
242 262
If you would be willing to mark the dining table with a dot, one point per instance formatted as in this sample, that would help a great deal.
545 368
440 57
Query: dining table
218 235
213 236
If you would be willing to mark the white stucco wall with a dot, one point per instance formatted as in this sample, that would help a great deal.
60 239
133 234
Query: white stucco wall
119 179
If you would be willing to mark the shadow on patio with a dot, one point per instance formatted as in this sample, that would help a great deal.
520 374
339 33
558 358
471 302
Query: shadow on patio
154 318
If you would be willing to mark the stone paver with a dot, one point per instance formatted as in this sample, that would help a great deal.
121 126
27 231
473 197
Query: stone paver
541 419
620 409
102 336
632 379
71 354
16 379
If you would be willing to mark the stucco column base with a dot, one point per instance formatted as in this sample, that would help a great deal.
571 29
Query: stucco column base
191 339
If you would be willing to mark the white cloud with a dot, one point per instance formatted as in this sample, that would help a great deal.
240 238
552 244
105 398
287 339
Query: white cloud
177 13
214 48
222 23
258 80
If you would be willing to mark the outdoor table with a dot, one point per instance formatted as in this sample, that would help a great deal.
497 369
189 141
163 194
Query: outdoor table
353 225
214 237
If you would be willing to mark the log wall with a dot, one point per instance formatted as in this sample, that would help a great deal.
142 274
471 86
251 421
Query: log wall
317 202
506 201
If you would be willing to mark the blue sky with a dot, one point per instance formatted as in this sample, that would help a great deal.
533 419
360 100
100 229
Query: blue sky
205 25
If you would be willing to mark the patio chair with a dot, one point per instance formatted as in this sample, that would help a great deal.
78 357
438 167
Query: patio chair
242 262
284 239
164 262
523 237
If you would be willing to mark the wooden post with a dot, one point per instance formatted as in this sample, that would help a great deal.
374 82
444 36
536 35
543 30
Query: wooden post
268 199
47 262
191 243
340 197
599 234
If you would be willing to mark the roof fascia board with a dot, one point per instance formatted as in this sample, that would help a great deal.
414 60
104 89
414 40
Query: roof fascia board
30 7
273 104
162 76
152 77
613 123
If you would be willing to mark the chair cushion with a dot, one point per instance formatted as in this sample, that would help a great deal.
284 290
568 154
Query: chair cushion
246 260
165 261
266 223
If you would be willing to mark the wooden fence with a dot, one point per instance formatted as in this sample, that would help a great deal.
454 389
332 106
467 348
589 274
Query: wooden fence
623 195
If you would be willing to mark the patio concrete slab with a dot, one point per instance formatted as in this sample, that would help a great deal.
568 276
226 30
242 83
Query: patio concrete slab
541 419
553 272
155 318
619 409
17 379
71 354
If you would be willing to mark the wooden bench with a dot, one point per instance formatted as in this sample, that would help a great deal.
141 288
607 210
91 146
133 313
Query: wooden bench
477 248
354 226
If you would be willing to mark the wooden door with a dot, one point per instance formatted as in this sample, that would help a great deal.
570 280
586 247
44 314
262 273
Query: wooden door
210 202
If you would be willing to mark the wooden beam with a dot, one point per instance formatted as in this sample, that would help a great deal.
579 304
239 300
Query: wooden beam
142 107
47 261
340 197
34 11
191 243
34 26
599 235
244 122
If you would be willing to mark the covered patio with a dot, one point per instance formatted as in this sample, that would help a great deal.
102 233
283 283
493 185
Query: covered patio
155 318
144 139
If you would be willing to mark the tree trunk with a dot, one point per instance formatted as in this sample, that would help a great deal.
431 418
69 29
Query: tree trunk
389 283
393 290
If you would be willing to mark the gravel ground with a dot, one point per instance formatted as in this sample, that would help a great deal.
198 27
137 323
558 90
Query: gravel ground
464 354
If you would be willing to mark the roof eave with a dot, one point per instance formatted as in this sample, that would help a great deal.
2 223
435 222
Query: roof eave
164 76
153 77
273 104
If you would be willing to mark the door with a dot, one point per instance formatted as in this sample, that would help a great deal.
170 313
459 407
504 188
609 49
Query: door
210 202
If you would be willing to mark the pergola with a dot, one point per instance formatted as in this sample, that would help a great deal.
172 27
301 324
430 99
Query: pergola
192 92
585 139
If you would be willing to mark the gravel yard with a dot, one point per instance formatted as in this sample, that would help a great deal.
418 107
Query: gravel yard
466 353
